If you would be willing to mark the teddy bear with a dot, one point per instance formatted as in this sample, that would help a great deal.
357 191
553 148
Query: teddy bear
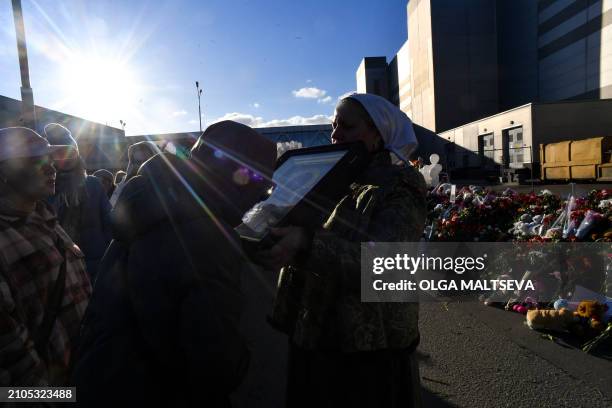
592 313
588 317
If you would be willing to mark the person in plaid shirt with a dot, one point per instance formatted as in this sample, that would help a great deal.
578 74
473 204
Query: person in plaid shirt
43 282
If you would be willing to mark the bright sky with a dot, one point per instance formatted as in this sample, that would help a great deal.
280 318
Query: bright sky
262 62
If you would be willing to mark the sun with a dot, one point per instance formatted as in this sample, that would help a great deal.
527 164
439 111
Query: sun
103 89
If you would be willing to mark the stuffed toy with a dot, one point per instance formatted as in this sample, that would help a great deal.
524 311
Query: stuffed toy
592 313
554 320
589 315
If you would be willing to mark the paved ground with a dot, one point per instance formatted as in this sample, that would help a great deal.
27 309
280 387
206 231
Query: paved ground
470 356
476 356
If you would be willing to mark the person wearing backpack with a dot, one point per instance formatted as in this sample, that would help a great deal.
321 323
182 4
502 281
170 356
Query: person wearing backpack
44 287
163 324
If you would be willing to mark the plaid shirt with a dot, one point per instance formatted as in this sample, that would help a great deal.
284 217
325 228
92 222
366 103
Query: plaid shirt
29 264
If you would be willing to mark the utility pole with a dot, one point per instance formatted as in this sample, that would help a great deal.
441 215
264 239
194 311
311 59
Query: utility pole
28 113
199 92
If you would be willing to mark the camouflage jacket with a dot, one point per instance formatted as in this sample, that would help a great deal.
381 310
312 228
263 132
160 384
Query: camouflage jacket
318 299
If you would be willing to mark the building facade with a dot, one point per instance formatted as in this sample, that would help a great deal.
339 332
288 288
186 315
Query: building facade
470 59
403 94
574 49
372 76
497 78
512 139
446 73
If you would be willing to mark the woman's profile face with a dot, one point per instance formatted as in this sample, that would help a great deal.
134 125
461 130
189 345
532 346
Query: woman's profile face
351 124
32 178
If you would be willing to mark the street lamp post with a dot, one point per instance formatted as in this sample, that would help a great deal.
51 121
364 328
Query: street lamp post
199 94
28 113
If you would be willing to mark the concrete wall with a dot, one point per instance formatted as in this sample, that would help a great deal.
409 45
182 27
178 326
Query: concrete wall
404 79
360 77
429 143
466 136
393 79
372 76
541 123
465 61
421 67
572 120
575 50
517 52
470 59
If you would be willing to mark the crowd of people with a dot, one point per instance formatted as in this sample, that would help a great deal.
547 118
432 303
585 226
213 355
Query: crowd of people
129 286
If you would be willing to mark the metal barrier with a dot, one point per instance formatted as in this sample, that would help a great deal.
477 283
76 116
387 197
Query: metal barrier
506 165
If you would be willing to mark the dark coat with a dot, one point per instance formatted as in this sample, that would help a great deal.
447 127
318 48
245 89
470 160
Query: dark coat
87 223
95 226
161 327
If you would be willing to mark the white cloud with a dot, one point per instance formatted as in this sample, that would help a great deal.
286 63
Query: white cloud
299 121
256 105
258 121
309 93
179 113
193 122
327 99
308 81
244 118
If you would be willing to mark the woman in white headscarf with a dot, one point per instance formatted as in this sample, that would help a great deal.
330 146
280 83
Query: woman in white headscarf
344 352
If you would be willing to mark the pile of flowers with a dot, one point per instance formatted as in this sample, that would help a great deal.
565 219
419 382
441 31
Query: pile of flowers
476 214
528 220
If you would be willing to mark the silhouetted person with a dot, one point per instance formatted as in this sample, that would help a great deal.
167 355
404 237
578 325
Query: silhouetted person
80 201
107 180
138 153
44 288
162 325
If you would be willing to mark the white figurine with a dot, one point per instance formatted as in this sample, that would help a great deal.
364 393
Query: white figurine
431 172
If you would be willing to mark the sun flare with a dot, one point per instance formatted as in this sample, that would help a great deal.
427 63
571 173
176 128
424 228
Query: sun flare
104 89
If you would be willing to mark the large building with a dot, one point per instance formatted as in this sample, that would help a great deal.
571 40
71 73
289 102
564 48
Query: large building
372 76
446 73
453 54
469 59
574 49
399 75
485 75
391 81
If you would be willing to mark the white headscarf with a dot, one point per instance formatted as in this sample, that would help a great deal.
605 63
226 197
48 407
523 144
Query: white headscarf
393 124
